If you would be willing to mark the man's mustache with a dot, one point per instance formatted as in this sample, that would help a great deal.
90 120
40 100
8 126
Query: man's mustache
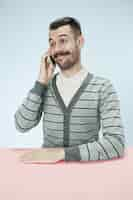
61 54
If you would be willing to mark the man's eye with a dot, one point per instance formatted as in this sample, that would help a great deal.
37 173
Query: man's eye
62 40
51 44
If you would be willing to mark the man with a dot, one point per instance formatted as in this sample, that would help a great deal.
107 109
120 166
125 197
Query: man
75 104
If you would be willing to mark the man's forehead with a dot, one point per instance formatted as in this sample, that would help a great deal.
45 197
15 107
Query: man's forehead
61 31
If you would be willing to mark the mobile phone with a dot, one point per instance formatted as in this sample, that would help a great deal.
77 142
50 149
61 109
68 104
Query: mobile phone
52 60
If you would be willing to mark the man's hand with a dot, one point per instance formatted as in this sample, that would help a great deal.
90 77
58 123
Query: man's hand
47 68
45 155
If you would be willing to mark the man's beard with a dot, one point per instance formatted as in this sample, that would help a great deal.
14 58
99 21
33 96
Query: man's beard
69 62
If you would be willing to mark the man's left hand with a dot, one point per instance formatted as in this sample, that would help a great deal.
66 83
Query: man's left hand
45 155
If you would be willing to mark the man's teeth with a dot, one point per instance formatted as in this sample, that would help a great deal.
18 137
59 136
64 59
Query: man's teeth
61 56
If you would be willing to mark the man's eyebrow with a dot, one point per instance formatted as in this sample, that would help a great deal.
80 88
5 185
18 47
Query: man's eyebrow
60 35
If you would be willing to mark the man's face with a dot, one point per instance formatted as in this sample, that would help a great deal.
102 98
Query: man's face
64 47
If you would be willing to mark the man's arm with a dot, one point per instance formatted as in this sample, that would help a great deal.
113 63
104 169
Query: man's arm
112 143
29 113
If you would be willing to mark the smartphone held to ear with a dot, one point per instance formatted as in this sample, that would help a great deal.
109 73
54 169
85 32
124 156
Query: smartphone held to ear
52 60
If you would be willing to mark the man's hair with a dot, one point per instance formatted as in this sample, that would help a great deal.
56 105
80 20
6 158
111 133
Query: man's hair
72 22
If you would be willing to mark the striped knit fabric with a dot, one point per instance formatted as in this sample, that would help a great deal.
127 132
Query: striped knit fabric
76 127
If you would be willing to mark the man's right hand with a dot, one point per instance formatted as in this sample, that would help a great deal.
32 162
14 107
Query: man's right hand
46 69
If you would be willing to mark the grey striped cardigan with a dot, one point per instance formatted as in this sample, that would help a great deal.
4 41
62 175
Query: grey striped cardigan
94 107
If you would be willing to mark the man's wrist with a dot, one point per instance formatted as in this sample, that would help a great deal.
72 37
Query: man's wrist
62 154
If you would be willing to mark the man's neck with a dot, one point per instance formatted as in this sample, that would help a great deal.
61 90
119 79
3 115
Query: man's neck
72 71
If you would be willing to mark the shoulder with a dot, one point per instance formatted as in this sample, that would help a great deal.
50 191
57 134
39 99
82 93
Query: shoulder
104 84
100 80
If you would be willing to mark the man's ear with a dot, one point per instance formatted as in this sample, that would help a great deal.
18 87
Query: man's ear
80 41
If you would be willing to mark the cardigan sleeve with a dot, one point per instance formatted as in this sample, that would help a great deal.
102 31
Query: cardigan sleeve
112 143
29 112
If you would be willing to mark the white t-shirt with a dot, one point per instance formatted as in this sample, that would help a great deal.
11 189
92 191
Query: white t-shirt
68 86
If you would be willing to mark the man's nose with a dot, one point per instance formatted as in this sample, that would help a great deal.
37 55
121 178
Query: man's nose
58 49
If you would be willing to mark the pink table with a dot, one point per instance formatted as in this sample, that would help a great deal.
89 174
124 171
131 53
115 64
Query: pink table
94 180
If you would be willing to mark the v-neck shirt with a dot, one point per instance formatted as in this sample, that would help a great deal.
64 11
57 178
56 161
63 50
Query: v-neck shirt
67 86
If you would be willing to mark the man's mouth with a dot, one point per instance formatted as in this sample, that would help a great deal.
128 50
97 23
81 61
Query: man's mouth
60 57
